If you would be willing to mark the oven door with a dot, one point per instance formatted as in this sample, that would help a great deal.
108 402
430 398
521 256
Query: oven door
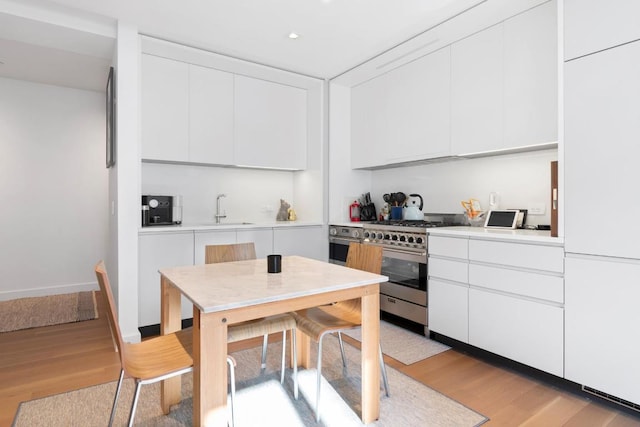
405 268
338 248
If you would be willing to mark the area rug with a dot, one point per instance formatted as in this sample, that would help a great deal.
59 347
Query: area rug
261 400
24 313
403 345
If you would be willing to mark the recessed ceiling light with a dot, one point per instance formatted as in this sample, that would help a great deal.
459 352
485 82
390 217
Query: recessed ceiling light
293 35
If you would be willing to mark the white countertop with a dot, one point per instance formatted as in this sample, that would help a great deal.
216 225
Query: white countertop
225 226
522 235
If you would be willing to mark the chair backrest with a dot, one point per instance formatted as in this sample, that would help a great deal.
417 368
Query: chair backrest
105 288
226 253
365 257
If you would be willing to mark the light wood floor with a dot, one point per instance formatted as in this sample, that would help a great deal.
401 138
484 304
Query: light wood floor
44 361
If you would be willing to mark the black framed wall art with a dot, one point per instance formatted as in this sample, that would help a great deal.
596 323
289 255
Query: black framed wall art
110 114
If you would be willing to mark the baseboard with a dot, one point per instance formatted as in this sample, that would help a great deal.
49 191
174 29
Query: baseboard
154 330
49 290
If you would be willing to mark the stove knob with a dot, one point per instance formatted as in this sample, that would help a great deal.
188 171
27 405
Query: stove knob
410 239
380 236
394 237
366 234
403 238
355 234
386 237
418 239
333 231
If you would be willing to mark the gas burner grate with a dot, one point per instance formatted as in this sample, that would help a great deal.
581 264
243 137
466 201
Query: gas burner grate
411 223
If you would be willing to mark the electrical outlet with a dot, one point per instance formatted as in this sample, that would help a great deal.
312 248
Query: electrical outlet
536 209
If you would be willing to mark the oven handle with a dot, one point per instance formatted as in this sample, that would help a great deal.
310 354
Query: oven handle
343 240
405 255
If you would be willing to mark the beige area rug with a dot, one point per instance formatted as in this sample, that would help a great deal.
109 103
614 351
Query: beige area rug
262 401
24 313
403 345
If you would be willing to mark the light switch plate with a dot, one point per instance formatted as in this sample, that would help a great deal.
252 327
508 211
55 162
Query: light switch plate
536 209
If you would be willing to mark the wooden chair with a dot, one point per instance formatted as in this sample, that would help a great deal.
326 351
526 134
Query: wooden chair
264 326
341 316
151 360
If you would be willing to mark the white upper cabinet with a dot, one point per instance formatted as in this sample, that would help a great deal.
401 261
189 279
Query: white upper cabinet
419 117
403 115
531 77
369 130
602 130
477 92
270 124
594 25
165 109
210 116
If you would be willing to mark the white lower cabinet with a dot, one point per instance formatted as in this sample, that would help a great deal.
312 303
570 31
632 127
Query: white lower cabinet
262 238
449 309
516 328
310 242
156 251
506 297
602 318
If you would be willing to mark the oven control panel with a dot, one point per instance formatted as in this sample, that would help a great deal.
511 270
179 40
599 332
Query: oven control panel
345 232
399 238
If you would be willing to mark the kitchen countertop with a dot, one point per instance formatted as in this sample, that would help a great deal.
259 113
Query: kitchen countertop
519 235
228 226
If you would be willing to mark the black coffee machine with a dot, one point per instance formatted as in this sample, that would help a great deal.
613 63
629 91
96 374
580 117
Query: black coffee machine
159 210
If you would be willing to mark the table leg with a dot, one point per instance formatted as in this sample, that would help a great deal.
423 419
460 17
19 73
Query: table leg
209 369
170 321
370 362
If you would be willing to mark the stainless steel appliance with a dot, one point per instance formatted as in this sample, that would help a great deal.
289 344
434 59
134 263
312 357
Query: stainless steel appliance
404 261
161 210
339 239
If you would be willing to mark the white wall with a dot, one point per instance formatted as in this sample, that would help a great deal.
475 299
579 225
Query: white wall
53 184
521 180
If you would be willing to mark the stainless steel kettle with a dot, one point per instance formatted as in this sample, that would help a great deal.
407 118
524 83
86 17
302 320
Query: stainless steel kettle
413 211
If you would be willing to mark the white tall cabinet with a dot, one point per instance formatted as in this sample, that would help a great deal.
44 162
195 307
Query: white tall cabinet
602 130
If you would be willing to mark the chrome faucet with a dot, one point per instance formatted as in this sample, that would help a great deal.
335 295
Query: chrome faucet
219 215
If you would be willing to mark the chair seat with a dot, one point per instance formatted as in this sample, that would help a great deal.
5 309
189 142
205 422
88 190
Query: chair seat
317 321
259 327
160 355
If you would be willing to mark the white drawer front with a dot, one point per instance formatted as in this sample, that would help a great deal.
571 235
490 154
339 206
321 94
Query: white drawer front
449 310
448 269
520 330
550 288
547 258
449 246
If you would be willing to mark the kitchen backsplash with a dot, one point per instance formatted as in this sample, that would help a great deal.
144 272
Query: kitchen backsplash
252 195
521 181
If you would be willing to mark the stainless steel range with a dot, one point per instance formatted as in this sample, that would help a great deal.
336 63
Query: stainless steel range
405 263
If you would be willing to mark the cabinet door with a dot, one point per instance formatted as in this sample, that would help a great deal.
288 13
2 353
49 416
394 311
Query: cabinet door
156 251
531 77
165 109
261 237
310 242
477 92
602 318
369 137
602 130
522 330
204 238
270 124
449 309
210 116
419 108
594 25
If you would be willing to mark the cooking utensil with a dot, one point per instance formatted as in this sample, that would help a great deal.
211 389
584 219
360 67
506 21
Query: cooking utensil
400 198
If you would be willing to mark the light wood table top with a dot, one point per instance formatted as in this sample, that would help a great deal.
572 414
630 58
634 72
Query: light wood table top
227 293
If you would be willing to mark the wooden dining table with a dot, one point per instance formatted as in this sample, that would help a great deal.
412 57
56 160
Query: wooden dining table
226 293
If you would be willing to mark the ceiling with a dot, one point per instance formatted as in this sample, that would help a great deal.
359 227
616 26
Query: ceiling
335 35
